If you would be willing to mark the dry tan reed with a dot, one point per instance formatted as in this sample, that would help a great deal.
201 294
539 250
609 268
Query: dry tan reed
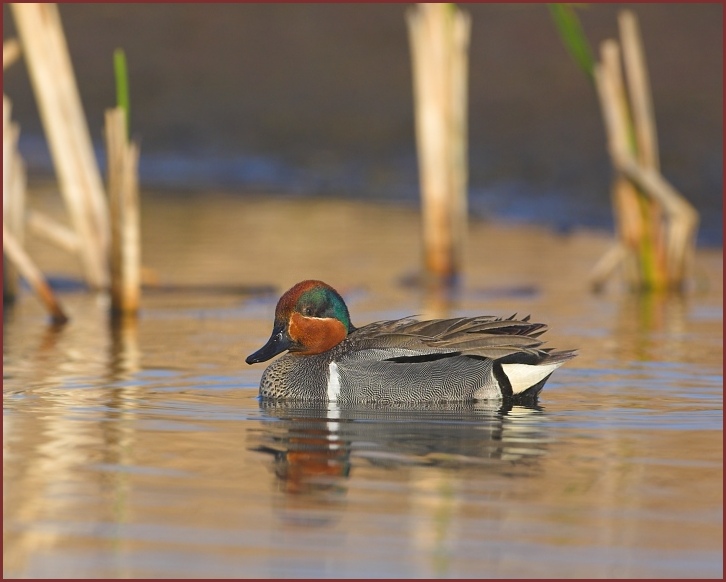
656 225
11 52
15 253
439 38
95 222
123 192
17 262
51 73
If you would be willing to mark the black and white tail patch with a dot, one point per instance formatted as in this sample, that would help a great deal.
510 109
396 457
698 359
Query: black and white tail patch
523 376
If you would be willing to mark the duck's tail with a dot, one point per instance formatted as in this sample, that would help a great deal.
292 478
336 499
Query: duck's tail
528 378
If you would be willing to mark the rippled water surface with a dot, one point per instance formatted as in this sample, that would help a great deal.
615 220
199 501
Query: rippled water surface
143 451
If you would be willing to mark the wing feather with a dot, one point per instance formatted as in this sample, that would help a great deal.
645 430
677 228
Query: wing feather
482 337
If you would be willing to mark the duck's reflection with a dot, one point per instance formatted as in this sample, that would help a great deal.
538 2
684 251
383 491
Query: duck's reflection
310 455
315 447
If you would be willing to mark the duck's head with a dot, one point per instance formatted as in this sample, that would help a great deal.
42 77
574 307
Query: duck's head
310 318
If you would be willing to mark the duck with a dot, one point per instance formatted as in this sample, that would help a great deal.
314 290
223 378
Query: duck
407 360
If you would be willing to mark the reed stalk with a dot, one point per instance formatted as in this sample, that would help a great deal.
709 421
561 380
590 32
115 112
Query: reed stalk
43 226
13 196
11 52
439 38
656 224
14 217
641 100
125 249
10 137
51 73
121 75
30 272
18 263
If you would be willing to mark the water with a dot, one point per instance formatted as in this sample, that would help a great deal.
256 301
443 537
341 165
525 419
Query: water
143 451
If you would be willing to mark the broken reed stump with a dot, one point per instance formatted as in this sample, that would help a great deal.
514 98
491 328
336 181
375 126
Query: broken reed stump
123 199
15 253
14 212
439 39
17 262
656 225
13 198
51 73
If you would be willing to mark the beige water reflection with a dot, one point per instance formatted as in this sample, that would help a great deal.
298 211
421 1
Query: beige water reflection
142 451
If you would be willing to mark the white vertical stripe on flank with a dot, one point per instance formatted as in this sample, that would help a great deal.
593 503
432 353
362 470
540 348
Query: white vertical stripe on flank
333 382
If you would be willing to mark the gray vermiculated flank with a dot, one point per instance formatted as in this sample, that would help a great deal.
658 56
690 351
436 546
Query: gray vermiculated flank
411 361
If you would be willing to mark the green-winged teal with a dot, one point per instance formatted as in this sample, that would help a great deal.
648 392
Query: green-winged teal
405 360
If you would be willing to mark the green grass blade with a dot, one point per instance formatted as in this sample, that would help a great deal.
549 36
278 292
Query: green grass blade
572 35
122 84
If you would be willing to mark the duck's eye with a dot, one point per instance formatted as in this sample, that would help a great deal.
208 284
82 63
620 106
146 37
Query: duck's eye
308 311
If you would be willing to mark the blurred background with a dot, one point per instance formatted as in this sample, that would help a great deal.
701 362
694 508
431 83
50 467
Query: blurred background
316 99
137 447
